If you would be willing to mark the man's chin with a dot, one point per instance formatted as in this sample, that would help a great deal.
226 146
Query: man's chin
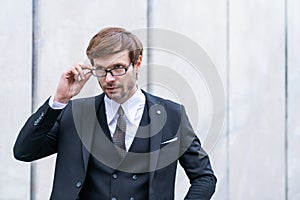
113 96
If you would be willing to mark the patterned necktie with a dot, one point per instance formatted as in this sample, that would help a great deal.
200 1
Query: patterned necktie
119 135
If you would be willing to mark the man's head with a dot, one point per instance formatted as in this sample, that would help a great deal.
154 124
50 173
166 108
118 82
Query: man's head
112 40
114 50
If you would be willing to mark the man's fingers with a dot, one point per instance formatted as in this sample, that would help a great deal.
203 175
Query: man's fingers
72 73
85 66
83 70
79 72
87 77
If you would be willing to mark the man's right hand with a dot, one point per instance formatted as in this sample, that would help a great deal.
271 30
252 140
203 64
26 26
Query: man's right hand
71 82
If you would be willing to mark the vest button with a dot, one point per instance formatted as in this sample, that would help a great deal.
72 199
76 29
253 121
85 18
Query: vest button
113 198
131 198
134 177
115 176
78 184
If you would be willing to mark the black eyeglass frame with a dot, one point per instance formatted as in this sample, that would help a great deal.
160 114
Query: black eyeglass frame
111 71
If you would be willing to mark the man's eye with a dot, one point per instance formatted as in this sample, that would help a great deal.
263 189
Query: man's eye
118 67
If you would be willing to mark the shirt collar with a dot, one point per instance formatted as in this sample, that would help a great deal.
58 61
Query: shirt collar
130 106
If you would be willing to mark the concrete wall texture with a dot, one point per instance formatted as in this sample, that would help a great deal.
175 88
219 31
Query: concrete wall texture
253 44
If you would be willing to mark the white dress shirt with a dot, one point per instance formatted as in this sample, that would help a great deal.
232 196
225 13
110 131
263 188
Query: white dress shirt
56 105
133 110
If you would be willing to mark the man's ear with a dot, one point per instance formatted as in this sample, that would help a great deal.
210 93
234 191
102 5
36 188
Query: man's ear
138 63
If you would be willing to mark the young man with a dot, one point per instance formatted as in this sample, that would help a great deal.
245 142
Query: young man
122 144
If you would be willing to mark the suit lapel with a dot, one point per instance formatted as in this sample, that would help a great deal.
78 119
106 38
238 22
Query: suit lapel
85 114
157 116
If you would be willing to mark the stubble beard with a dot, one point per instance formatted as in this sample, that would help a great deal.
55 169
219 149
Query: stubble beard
122 94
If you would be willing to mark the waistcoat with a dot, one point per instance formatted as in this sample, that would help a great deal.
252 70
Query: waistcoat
119 181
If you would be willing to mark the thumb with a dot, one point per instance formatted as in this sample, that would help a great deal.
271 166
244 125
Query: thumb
86 77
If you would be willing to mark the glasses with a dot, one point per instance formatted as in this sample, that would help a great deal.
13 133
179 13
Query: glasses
117 70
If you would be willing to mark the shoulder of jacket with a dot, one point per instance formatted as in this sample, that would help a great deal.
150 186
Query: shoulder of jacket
88 99
153 99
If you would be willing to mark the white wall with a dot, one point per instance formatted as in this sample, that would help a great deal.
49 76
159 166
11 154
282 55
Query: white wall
257 100
15 101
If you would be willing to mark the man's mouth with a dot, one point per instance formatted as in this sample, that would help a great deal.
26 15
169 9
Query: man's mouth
110 88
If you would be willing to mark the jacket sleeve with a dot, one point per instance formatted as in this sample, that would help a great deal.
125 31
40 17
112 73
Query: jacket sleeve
39 136
196 163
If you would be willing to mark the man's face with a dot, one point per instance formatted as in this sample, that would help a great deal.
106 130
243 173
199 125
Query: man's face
118 88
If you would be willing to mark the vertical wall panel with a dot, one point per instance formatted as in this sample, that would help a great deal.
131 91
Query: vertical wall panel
64 30
293 99
203 22
257 100
15 93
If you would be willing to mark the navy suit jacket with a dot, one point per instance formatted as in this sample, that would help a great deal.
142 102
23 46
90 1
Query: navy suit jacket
70 132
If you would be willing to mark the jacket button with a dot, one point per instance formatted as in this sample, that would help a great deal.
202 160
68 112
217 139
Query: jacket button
115 176
131 198
134 177
113 198
78 184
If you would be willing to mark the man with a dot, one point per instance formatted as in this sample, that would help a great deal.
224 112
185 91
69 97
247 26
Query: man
122 144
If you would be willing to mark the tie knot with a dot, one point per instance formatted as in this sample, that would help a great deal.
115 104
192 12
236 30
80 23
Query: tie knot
120 111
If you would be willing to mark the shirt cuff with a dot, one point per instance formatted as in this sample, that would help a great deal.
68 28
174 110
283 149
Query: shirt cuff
56 105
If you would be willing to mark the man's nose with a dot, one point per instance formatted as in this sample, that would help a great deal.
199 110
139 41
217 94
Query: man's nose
109 77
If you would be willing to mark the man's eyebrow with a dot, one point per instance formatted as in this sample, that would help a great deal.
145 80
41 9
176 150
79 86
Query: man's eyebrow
118 63
111 65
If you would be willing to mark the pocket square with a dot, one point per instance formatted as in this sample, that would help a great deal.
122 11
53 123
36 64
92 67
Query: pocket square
171 140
